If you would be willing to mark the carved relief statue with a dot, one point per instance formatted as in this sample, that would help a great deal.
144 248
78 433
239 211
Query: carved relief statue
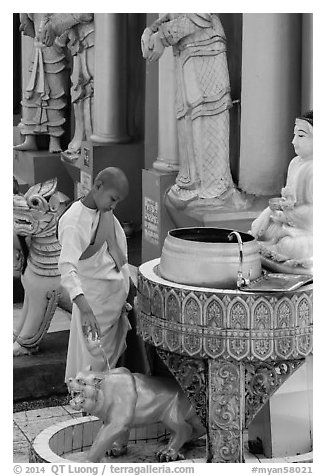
76 30
44 99
202 106
35 217
285 228
122 400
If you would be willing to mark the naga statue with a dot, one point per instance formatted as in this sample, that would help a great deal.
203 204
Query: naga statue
20 247
122 399
35 217
18 257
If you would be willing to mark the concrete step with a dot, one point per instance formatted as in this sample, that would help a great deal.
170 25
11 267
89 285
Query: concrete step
42 375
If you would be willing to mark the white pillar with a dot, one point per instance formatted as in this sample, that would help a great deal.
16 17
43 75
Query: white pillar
110 75
285 423
270 99
168 158
307 62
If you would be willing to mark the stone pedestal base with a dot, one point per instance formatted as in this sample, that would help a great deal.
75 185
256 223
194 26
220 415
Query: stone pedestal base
94 158
31 167
156 221
221 218
42 375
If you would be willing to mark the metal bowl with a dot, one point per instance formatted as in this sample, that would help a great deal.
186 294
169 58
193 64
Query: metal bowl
210 257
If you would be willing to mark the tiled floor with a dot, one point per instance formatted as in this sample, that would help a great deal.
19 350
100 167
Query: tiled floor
28 424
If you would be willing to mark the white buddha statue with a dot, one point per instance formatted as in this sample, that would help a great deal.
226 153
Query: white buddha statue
285 228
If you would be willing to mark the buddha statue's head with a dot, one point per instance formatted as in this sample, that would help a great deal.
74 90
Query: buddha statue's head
303 136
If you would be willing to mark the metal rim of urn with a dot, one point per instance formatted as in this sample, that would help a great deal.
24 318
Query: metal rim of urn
210 257
203 322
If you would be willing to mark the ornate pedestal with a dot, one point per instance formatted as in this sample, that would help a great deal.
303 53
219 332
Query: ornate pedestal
229 350
156 221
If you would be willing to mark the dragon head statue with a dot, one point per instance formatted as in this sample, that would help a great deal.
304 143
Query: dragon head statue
36 212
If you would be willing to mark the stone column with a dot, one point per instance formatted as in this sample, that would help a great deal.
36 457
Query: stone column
110 78
168 159
270 99
307 62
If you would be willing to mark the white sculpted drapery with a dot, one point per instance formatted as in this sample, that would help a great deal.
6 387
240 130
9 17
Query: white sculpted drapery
202 103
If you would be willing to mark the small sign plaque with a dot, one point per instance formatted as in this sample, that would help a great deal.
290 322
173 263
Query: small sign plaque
86 156
151 221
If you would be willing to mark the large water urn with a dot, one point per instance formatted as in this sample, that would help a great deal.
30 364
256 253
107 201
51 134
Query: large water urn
212 257
230 344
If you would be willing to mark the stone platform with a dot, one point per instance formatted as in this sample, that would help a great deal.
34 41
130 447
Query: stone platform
42 375
240 220
31 167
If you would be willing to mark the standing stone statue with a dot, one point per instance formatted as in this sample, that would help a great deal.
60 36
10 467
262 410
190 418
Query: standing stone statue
78 32
202 106
44 98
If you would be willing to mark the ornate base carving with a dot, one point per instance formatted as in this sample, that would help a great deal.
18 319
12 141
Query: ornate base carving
262 379
225 412
226 396
191 374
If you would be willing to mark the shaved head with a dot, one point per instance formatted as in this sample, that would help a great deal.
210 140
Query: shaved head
113 177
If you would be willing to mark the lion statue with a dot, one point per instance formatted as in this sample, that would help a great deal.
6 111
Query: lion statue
123 400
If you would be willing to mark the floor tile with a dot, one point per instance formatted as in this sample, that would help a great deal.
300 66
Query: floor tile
38 414
21 452
32 427
18 435
71 411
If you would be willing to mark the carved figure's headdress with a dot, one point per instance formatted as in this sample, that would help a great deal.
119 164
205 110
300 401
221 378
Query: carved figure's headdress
307 116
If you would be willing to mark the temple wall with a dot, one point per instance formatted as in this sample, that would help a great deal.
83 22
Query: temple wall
271 99
307 61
